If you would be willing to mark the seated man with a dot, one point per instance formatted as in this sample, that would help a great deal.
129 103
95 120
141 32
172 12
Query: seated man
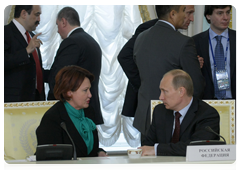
169 134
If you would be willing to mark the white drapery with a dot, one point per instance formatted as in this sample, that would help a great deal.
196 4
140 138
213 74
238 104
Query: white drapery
111 26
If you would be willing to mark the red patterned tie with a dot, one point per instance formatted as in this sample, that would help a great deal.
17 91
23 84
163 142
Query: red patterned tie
176 134
38 67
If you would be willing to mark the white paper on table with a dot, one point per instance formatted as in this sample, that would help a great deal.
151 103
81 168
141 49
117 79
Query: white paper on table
32 158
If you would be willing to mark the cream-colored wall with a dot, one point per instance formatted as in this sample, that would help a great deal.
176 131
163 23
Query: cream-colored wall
152 12
7 11
234 23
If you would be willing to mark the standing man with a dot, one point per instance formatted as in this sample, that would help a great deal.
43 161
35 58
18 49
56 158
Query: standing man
23 73
77 48
217 46
125 59
158 50
181 118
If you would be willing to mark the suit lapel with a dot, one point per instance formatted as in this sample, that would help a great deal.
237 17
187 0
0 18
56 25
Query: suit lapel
232 39
18 35
38 50
78 141
189 116
169 125
205 49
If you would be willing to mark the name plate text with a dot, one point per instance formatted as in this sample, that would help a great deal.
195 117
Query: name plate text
211 153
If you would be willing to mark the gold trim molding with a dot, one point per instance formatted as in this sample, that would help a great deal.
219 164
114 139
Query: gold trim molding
29 104
143 9
230 23
11 15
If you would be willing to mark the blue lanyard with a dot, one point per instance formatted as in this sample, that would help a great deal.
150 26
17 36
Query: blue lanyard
225 58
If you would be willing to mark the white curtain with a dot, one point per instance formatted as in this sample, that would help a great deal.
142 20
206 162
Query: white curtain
111 26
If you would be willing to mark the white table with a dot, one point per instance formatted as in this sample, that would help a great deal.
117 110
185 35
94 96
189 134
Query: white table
122 163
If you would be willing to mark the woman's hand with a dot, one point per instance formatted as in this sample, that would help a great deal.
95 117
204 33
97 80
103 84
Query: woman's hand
102 154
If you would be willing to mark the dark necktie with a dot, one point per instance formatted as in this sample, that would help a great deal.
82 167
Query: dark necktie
38 67
220 63
176 134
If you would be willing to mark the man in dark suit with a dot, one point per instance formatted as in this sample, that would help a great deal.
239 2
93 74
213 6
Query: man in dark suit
23 73
77 48
160 49
180 119
128 65
219 18
125 58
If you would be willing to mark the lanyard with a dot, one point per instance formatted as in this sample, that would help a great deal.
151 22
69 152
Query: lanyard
225 58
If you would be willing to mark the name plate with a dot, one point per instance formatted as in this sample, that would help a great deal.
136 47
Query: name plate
211 153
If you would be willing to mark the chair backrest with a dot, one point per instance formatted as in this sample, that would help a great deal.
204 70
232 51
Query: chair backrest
226 110
20 123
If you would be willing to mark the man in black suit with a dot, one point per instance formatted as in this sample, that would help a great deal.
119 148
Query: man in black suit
158 50
23 73
125 58
77 48
168 134
219 17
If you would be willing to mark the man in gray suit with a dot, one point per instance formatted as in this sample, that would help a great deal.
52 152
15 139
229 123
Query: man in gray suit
159 50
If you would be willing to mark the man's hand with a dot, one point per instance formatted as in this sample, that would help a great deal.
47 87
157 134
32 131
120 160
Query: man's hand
147 150
34 43
201 61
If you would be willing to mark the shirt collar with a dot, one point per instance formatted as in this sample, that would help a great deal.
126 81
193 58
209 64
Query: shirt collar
72 31
183 112
168 24
20 27
212 34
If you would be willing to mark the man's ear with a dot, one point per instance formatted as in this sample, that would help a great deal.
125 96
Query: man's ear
23 14
172 14
182 91
208 17
64 22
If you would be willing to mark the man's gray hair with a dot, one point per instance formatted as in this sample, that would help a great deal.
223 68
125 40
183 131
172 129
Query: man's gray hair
70 14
